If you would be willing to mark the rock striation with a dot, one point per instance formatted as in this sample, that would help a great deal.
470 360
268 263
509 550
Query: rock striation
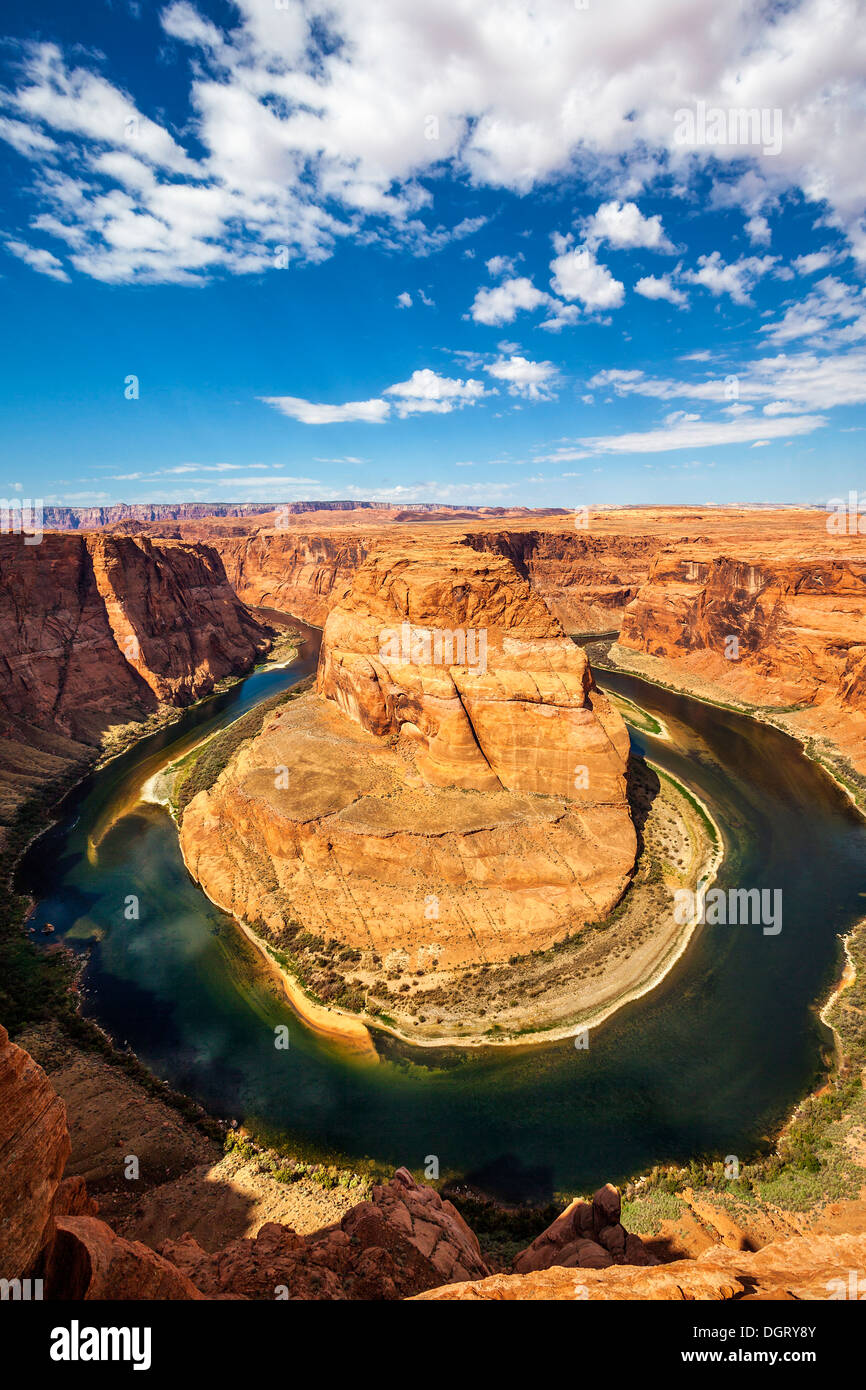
454 792
34 1147
99 631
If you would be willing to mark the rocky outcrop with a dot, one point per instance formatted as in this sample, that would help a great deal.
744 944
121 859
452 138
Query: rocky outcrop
797 623
101 628
587 1235
34 1147
454 793
586 580
86 1261
802 1268
403 1240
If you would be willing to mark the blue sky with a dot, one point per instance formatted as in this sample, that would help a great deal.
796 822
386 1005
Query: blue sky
484 253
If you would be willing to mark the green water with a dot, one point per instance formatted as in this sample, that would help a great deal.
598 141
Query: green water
706 1064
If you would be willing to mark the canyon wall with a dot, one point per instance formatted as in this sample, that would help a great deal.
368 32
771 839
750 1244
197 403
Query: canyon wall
799 623
294 572
585 580
98 631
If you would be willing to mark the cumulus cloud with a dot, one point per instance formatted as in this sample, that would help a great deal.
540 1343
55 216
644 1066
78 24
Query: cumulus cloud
427 391
534 380
504 302
738 278
424 392
310 123
624 225
661 287
576 274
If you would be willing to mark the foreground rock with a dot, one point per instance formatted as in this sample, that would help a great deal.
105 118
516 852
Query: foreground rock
588 1235
812 1268
404 1240
34 1147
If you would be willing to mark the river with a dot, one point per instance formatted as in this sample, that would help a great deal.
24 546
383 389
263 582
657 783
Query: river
709 1063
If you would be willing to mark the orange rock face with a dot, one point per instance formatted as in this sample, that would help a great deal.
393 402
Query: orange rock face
800 623
97 631
802 1268
454 793
34 1147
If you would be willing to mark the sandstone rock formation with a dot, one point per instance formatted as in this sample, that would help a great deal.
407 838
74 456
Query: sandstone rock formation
86 1261
294 572
34 1147
587 1235
798 620
456 790
405 1239
801 1268
97 631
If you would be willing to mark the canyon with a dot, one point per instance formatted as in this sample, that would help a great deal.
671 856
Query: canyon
453 793
409 775
403 1240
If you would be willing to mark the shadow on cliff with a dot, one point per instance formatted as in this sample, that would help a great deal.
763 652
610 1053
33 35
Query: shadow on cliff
642 788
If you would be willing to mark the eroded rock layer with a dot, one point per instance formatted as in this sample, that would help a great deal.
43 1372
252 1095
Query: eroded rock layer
98 631
454 792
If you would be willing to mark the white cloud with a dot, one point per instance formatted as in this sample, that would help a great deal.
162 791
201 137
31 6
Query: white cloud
404 300
814 261
832 313
684 431
660 287
534 380
758 230
312 122
624 225
502 303
39 259
576 274
736 279
500 265
805 381
372 412
427 391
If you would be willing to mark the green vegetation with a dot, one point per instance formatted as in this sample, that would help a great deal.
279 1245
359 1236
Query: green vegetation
199 770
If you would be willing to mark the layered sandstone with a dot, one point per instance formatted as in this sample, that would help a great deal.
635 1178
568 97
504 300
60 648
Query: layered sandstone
778 629
442 803
99 631
294 572
34 1147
